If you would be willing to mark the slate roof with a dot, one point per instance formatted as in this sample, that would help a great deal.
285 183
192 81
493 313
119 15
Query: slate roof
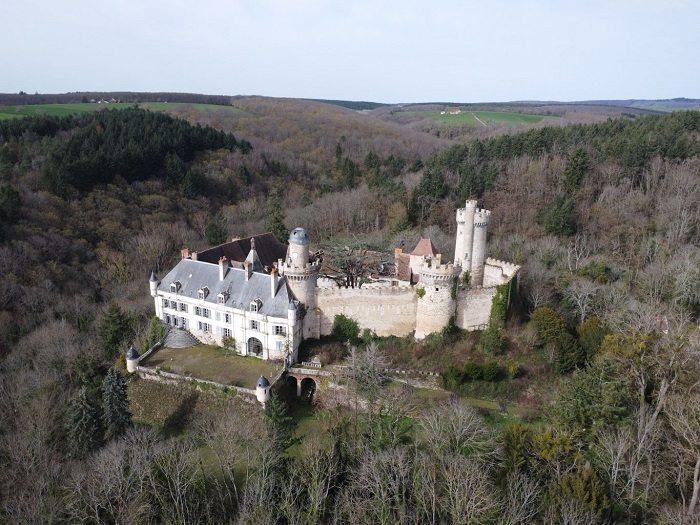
195 275
268 248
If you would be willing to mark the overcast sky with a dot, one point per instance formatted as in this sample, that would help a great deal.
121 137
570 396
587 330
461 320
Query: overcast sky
384 51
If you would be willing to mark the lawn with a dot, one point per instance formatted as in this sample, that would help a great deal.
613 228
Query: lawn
480 118
213 363
71 109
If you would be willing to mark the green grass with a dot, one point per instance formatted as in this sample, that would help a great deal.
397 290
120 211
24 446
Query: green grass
61 110
212 363
480 118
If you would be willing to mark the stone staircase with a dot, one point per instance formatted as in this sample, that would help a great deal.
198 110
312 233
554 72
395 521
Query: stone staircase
177 338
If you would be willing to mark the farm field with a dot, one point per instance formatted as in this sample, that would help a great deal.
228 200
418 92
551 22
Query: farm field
476 118
61 110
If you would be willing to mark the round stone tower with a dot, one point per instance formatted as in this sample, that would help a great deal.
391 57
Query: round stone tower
132 360
465 235
262 390
481 222
439 301
302 276
153 282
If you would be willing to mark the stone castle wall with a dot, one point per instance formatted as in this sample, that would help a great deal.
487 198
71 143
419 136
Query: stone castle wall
388 310
474 308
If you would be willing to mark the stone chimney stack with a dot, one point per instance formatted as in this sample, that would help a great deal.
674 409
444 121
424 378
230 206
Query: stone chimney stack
248 270
274 280
223 268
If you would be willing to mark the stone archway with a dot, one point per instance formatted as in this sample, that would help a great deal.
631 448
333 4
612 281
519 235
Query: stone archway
307 390
255 347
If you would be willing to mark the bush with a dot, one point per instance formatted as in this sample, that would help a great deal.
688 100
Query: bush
493 341
473 371
345 329
550 325
490 371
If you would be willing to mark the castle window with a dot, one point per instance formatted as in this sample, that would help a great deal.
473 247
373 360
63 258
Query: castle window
203 292
280 330
254 325
166 303
175 287
167 319
255 305
204 327
221 298
227 318
183 307
197 310
206 312
226 332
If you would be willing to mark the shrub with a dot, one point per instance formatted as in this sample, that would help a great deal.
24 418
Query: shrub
493 341
345 328
550 325
490 371
513 371
473 371
420 292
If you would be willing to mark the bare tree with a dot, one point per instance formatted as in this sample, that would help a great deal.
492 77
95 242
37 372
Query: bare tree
582 294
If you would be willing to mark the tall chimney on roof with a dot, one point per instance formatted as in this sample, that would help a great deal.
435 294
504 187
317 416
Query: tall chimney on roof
248 270
223 268
274 280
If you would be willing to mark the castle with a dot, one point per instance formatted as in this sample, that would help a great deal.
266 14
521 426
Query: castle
266 304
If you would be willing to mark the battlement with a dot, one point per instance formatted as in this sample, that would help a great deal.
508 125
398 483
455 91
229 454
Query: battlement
299 271
374 289
508 269
469 208
439 272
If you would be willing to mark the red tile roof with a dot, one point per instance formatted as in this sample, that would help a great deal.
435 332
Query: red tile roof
424 247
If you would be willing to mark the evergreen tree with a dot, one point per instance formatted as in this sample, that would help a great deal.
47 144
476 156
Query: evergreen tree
577 168
82 425
116 417
114 330
280 426
275 217
216 232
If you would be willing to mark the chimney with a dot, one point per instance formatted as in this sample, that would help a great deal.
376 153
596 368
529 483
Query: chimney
223 268
274 279
248 270
193 256
185 253
397 252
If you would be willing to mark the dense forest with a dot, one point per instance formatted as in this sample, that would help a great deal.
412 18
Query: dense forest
602 346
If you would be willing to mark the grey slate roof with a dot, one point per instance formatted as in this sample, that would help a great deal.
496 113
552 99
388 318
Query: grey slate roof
263 382
132 353
298 236
195 275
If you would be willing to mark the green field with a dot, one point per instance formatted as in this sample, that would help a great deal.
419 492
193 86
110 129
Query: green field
479 118
212 363
71 109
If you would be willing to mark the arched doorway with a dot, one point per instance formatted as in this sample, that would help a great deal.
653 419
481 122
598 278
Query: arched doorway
255 347
308 389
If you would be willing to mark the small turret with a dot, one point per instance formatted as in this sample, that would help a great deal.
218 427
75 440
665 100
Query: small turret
132 359
153 281
298 248
262 390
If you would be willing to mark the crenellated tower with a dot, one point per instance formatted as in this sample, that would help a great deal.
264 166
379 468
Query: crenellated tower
302 276
470 245
437 301
465 236
481 222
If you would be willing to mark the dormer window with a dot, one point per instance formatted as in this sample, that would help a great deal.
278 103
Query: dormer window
255 305
221 298
175 287
203 292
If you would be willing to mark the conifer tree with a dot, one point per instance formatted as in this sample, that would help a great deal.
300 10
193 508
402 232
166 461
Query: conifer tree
82 425
114 330
116 417
275 217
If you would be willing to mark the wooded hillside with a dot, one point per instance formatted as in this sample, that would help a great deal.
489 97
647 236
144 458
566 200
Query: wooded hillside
603 217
